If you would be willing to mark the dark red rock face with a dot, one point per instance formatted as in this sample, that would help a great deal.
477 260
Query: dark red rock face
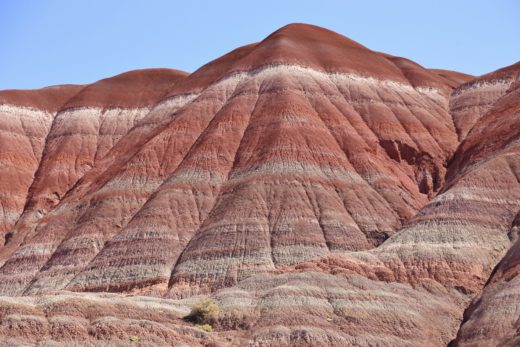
322 193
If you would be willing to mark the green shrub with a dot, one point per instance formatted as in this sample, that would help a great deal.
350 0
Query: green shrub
204 311
134 338
205 327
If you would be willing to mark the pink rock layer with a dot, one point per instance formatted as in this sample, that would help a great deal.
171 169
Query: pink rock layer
70 128
322 193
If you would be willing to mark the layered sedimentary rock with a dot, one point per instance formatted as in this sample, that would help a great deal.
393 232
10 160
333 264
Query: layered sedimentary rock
492 319
26 118
89 124
84 128
322 193
76 319
444 256
264 158
476 97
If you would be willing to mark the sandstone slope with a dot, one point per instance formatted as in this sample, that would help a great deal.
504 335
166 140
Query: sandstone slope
264 158
84 128
26 118
322 193
492 319
414 288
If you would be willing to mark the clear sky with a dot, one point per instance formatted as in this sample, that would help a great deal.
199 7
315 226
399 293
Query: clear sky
51 42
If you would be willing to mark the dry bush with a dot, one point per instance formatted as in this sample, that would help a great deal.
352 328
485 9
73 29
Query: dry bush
204 311
205 327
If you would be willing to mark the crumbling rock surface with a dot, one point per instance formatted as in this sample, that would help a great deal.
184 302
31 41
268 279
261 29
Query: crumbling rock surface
75 319
26 118
492 318
321 193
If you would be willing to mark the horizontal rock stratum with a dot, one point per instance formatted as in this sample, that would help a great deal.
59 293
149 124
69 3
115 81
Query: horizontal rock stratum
321 193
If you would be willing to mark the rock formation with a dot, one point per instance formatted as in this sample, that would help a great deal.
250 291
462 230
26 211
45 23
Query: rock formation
320 192
26 120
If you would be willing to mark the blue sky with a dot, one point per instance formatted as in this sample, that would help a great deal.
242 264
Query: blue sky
51 42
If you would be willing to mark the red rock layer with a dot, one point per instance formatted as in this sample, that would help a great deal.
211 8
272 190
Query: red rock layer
443 257
311 308
49 99
300 181
26 118
492 319
85 128
73 319
453 78
474 99
321 154
258 169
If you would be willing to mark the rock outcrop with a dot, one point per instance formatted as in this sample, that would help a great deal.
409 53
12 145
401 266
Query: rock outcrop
26 118
492 318
81 124
322 193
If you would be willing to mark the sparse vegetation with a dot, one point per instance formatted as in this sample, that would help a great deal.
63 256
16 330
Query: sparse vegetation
235 320
204 327
204 311
134 338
